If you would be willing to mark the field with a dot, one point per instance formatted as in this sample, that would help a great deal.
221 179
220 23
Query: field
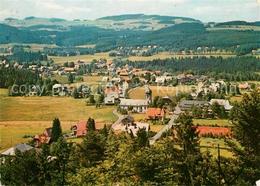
139 92
165 55
212 122
86 58
30 115
105 55
34 47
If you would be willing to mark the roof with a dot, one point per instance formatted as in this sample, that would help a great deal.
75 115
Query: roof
190 103
69 69
222 102
81 128
213 130
135 127
133 102
155 112
20 147
114 89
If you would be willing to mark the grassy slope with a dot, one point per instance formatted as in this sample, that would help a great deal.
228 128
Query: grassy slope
30 115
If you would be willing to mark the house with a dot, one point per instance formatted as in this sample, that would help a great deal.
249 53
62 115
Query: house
135 127
44 138
109 100
80 129
22 147
244 86
160 80
185 105
127 124
69 70
136 105
116 80
222 102
155 113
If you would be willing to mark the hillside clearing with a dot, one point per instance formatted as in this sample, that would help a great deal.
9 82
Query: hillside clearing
85 58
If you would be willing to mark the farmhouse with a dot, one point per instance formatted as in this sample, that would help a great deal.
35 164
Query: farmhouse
135 127
136 105
19 147
244 86
188 104
80 129
155 113
45 137
222 102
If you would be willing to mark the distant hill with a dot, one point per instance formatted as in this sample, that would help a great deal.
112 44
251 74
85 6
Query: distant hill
120 22
132 30
237 23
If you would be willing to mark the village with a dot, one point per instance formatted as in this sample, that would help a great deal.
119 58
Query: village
199 95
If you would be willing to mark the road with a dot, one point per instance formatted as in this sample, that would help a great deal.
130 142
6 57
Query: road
118 121
170 124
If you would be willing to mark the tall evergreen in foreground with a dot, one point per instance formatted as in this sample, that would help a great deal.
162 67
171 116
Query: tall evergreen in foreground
56 130
91 126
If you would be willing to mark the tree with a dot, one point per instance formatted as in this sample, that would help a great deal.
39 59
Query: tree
75 93
60 154
91 100
56 130
218 110
246 120
91 150
142 139
91 124
70 78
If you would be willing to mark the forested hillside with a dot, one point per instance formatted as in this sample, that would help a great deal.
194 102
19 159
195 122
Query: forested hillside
172 33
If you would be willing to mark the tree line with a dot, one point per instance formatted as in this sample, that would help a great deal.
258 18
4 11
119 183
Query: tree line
231 69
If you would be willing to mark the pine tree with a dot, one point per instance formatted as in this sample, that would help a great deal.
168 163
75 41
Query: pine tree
142 139
56 130
91 124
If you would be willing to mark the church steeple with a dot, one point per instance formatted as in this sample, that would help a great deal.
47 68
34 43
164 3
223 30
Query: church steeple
148 93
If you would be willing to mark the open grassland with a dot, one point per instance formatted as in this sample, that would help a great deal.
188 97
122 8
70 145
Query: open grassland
212 122
165 55
34 46
139 92
30 115
14 132
105 55
47 108
85 58
92 80
211 145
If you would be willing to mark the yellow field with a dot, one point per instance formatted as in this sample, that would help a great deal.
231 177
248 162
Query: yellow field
30 115
165 55
139 92
105 55
86 58
212 122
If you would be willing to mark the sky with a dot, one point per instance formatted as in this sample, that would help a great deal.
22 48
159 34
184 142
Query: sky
204 10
